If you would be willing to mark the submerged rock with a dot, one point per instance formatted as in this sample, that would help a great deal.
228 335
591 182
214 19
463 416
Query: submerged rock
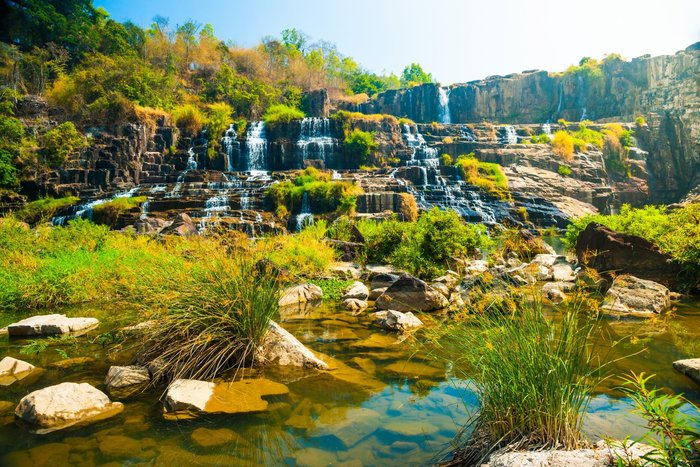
630 295
300 294
411 294
282 348
356 290
125 381
376 293
689 367
354 305
396 321
191 395
12 370
65 404
348 425
556 291
50 324
600 456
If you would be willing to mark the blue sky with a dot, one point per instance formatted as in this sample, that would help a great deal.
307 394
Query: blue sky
455 40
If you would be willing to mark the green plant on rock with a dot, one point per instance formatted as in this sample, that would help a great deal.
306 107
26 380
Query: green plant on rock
219 118
564 170
485 175
533 375
57 144
44 209
189 119
109 212
360 145
332 288
673 434
280 113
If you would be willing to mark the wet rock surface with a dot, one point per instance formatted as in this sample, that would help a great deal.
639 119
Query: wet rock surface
689 367
630 295
409 293
396 321
125 381
50 324
279 347
300 294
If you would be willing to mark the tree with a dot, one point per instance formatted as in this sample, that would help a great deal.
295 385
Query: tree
360 145
295 40
414 74
59 143
187 33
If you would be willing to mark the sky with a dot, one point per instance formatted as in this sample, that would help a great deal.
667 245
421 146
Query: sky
456 41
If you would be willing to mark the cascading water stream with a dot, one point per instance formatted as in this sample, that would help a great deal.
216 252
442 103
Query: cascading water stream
84 211
230 142
256 149
547 130
191 165
510 135
421 154
305 217
444 105
315 140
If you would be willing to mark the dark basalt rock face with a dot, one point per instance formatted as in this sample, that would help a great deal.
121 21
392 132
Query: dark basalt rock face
608 251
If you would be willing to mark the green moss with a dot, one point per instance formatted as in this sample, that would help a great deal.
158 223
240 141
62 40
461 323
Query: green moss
109 212
332 288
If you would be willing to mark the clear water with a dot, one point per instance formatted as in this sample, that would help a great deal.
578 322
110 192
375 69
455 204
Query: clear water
387 405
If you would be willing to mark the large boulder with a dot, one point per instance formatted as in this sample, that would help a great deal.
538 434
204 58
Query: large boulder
606 250
349 251
65 404
125 381
12 370
409 293
356 290
149 225
51 324
393 320
632 296
191 395
600 455
689 367
354 305
182 226
281 348
383 279
300 294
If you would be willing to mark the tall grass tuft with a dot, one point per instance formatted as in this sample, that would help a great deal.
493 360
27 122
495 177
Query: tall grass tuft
212 323
533 375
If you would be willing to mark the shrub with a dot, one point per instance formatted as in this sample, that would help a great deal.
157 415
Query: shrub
108 213
189 119
8 172
408 207
446 159
448 140
204 334
332 288
589 136
280 113
563 145
360 146
564 170
640 121
541 138
672 434
485 175
44 209
304 254
219 118
533 390
57 144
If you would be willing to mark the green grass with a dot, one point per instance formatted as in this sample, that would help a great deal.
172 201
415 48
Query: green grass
108 213
280 113
44 209
534 377
332 288
485 175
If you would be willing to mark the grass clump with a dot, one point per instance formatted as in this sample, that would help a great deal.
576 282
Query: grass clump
324 194
305 254
360 145
332 288
534 377
675 232
189 119
109 212
213 323
485 175
563 145
564 170
44 209
280 113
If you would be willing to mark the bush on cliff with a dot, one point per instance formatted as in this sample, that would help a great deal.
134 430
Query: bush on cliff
676 232
360 146
280 113
189 119
58 143
563 145
108 213
485 175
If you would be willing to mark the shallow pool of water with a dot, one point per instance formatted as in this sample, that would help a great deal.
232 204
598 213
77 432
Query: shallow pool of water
387 403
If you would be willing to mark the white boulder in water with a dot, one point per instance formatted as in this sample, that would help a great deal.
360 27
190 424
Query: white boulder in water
50 324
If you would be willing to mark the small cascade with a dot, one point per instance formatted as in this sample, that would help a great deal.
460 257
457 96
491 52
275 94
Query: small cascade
335 175
421 154
561 97
305 217
230 143
191 165
315 140
144 209
256 148
84 211
510 136
583 115
547 130
444 105
467 133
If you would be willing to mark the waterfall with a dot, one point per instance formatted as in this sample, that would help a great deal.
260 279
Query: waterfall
229 143
144 210
421 154
256 148
305 217
191 165
467 133
547 130
335 175
511 136
315 140
84 211
583 115
561 96
444 102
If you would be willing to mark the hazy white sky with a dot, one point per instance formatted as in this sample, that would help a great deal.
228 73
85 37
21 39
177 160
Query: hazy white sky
455 40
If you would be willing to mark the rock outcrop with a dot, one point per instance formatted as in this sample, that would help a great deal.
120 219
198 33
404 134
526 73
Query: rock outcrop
181 226
605 250
300 294
12 370
409 293
689 367
125 381
631 296
64 405
392 320
279 347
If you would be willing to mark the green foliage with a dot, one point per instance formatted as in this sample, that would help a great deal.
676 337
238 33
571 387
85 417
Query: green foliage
446 159
414 74
485 175
280 113
8 171
675 232
248 96
57 144
426 247
219 118
541 138
534 376
189 119
564 170
325 195
332 288
108 213
640 121
44 209
589 69
672 434
360 145
305 254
